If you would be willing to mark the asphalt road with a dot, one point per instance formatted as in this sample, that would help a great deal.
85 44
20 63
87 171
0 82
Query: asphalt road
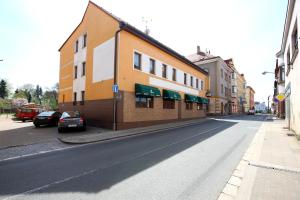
192 162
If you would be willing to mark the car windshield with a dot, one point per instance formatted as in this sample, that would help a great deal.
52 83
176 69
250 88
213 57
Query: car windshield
26 110
70 114
43 114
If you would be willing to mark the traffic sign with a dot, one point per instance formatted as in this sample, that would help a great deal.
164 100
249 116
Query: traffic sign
115 88
280 97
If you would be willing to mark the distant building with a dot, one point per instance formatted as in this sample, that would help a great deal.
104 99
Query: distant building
260 107
120 77
289 61
249 98
220 81
238 84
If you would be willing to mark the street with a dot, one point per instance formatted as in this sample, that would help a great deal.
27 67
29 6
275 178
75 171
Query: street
191 162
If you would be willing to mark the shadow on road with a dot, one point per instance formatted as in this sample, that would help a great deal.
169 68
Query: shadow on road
102 165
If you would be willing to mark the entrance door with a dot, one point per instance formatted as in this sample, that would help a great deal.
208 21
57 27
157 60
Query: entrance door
222 108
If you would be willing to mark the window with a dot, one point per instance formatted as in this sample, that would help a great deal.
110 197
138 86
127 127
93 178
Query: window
164 71
144 102
74 98
63 98
232 87
137 60
188 105
152 66
197 83
222 89
82 97
75 72
199 106
294 42
282 73
192 81
84 40
83 69
168 104
174 74
76 46
233 75
288 60
185 79
226 91
202 85
222 73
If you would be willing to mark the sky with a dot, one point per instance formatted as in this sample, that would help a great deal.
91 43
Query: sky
249 31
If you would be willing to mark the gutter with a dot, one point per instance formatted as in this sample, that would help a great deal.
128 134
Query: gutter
115 102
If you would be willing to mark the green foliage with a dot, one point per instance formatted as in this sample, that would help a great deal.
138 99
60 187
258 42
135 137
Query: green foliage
5 103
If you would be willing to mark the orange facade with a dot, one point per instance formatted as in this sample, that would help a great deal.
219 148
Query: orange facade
100 27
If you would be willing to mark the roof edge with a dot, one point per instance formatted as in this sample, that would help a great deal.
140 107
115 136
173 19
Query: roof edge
94 4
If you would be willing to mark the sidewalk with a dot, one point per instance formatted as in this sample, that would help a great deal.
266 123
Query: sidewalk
270 169
109 135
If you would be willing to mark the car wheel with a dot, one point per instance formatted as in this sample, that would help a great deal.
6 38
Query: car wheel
36 125
23 120
60 130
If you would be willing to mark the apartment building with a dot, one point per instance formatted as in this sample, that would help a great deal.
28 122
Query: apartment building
234 86
220 81
249 98
289 61
120 77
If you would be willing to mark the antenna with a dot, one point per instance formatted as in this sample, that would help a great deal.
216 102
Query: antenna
146 21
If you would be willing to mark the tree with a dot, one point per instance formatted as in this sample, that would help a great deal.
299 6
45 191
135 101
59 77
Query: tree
28 91
50 97
3 89
38 93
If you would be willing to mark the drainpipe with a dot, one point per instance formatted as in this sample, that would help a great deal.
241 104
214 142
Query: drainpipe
115 102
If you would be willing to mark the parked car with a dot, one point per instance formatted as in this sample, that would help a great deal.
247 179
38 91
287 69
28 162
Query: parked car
71 120
251 112
47 118
27 114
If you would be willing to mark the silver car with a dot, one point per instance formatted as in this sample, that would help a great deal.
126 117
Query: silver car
71 120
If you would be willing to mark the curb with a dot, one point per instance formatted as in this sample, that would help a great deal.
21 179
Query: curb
114 135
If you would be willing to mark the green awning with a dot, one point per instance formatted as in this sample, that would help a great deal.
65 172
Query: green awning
145 90
202 100
190 98
168 94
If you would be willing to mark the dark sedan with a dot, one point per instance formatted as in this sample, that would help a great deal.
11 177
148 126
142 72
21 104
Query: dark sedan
47 118
71 120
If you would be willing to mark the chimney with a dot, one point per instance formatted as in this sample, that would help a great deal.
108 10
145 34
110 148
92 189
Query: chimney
198 50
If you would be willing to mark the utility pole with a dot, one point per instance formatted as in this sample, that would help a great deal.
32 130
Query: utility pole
268 104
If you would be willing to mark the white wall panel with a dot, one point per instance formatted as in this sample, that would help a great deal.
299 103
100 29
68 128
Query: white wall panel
103 61
172 86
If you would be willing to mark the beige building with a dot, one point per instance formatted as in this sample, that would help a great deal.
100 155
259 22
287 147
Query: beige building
241 92
238 88
249 98
220 81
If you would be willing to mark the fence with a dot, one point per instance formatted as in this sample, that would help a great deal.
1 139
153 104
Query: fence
7 110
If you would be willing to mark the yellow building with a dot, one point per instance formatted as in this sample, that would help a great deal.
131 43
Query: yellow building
153 83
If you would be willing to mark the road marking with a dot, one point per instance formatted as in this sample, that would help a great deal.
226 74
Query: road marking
111 165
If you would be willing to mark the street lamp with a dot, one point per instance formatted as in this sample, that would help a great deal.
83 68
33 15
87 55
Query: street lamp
1 60
265 72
